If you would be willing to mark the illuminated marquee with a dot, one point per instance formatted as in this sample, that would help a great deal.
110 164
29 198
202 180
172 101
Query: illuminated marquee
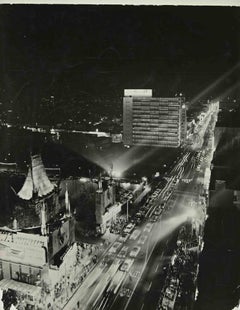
24 255
23 248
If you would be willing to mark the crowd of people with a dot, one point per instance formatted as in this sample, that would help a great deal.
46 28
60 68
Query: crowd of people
86 258
75 271
182 272
118 225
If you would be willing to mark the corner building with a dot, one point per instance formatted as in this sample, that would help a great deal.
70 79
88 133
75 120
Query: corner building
150 121
38 261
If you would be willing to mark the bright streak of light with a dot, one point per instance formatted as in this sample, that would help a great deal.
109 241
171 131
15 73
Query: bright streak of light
131 158
218 137
169 225
98 160
1 303
116 174
122 163
126 185
173 259
228 91
84 180
229 144
214 84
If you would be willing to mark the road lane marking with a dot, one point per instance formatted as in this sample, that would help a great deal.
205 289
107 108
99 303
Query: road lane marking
138 280
142 306
157 268
149 286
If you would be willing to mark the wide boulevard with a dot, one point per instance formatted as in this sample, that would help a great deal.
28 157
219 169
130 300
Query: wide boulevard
131 273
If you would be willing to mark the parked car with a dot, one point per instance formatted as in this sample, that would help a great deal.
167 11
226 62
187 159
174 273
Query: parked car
123 237
129 228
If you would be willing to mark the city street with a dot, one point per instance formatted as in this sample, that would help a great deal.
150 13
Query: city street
109 270
148 289
119 134
119 289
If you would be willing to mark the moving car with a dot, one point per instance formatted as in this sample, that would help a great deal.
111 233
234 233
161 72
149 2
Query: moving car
148 227
115 247
126 265
157 211
142 239
123 252
135 251
176 181
135 234
154 218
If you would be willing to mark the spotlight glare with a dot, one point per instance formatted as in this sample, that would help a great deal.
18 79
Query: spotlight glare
117 174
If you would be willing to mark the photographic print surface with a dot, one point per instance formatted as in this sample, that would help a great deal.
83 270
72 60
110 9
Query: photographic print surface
119 157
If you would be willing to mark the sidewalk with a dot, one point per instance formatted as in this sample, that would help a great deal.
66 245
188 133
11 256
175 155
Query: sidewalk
105 244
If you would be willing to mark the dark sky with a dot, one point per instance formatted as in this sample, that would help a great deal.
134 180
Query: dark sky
100 50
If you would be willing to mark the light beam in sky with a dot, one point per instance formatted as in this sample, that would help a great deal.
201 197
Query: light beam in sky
214 84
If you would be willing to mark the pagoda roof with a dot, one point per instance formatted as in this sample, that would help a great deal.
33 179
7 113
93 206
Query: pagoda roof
37 183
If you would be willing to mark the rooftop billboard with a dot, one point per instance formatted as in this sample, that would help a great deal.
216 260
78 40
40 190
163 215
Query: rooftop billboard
138 92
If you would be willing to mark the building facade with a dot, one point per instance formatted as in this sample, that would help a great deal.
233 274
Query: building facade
30 255
222 228
106 207
151 121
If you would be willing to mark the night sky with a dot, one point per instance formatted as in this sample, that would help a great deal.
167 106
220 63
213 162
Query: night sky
77 51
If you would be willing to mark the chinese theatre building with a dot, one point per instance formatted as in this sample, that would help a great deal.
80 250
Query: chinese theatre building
33 252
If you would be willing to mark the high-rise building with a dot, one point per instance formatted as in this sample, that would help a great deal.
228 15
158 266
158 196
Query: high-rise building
153 121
